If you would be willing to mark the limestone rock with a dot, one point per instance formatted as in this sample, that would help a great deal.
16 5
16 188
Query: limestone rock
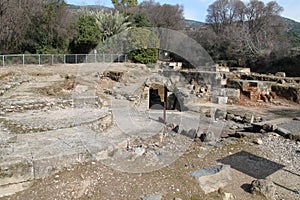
229 116
152 197
258 141
280 74
211 179
264 188
192 133
208 137
139 151
227 196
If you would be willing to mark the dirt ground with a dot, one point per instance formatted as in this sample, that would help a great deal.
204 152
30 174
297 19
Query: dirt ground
96 180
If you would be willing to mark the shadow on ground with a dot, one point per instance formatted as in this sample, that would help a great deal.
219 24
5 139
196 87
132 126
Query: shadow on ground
252 165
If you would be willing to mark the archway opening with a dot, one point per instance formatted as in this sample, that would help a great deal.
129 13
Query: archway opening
160 97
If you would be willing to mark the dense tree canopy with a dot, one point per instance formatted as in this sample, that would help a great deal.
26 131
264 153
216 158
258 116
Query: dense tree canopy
123 4
254 27
88 34
34 26
166 16
142 45
235 30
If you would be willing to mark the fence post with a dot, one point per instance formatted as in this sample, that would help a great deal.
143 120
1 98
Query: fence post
3 60
95 58
64 58
52 57
23 60
75 58
39 59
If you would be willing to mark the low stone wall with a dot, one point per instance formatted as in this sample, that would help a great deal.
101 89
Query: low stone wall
251 88
272 78
291 93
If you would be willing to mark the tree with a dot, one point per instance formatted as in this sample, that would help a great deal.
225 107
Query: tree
139 19
142 45
88 34
110 23
48 29
166 16
122 5
13 23
34 26
223 13
252 29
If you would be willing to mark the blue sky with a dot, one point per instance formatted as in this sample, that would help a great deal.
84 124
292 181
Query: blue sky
196 9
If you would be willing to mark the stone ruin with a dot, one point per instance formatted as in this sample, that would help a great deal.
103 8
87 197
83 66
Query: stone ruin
88 128
227 85
261 87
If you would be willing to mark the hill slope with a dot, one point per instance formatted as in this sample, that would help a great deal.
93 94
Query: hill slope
293 26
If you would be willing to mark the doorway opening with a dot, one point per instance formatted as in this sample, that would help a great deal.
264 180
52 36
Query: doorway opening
160 96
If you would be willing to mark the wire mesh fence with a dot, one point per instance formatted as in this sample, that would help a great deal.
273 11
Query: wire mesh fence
52 59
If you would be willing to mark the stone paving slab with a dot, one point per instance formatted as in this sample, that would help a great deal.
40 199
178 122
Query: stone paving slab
274 122
56 119
292 128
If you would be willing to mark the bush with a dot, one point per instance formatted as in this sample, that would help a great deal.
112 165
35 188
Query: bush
144 56
142 45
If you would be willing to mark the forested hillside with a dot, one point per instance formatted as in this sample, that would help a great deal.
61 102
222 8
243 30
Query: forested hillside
246 34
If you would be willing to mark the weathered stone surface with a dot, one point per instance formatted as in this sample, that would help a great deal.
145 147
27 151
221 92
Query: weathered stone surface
290 130
190 133
264 188
225 195
16 171
37 121
270 126
241 70
283 132
231 93
280 74
152 197
258 141
220 114
220 99
248 118
212 178
229 116
114 74
6 190
289 92
208 137
139 151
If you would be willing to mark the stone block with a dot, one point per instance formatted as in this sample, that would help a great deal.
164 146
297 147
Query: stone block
280 74
264 188
222 69
219 99
211 179
152 197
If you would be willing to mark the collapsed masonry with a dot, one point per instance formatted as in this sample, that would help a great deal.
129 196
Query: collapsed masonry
262 87
228 85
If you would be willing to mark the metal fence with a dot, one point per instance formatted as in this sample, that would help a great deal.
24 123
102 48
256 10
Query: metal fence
52 59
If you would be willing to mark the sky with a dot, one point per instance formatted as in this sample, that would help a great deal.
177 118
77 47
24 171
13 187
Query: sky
196 9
